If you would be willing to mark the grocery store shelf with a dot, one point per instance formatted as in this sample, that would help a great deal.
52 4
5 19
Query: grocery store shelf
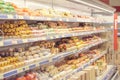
108 73
39 18
54 58
9 42
84 66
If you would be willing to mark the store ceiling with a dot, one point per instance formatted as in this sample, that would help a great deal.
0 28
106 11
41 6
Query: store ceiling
114 3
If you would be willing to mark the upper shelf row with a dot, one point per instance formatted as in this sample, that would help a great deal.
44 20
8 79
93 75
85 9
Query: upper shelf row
11 10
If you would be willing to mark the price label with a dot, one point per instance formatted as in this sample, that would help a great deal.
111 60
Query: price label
67 19
34 39
82 67
37 64
62 55
25 40
73 34
51 37
1 43
32 17
1 76
77 20
49 19
43 38
26 68
63 35
60 19
20 70
21 17
10 16
50 60
14 42
57 36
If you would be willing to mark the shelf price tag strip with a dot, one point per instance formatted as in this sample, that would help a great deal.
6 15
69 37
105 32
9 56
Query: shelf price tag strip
56 58
8 74
32 66
44 62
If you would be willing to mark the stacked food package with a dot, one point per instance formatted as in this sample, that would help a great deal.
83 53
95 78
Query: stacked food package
21 29
15 29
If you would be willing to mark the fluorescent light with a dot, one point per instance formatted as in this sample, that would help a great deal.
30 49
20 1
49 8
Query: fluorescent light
83 2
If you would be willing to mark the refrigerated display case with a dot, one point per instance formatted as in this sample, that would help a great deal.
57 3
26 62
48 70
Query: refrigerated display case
56 40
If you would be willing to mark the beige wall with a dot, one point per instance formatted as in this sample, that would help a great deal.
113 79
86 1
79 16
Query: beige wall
115 2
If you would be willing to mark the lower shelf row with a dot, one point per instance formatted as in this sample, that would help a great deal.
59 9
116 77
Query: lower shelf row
53 59
89 65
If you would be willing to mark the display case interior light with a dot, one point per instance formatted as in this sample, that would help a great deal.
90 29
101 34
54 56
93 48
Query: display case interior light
91 5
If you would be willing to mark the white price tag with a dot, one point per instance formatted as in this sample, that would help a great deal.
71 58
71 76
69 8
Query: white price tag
1 43
49 19
82 67
63 35
67 19
37 64
26 68
20 17
10 16
20 70
51 37
32 17
1 76
43 38
50 60
62 55
60 19
57 36
77 19
14 42
25 40
73 34
33 39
